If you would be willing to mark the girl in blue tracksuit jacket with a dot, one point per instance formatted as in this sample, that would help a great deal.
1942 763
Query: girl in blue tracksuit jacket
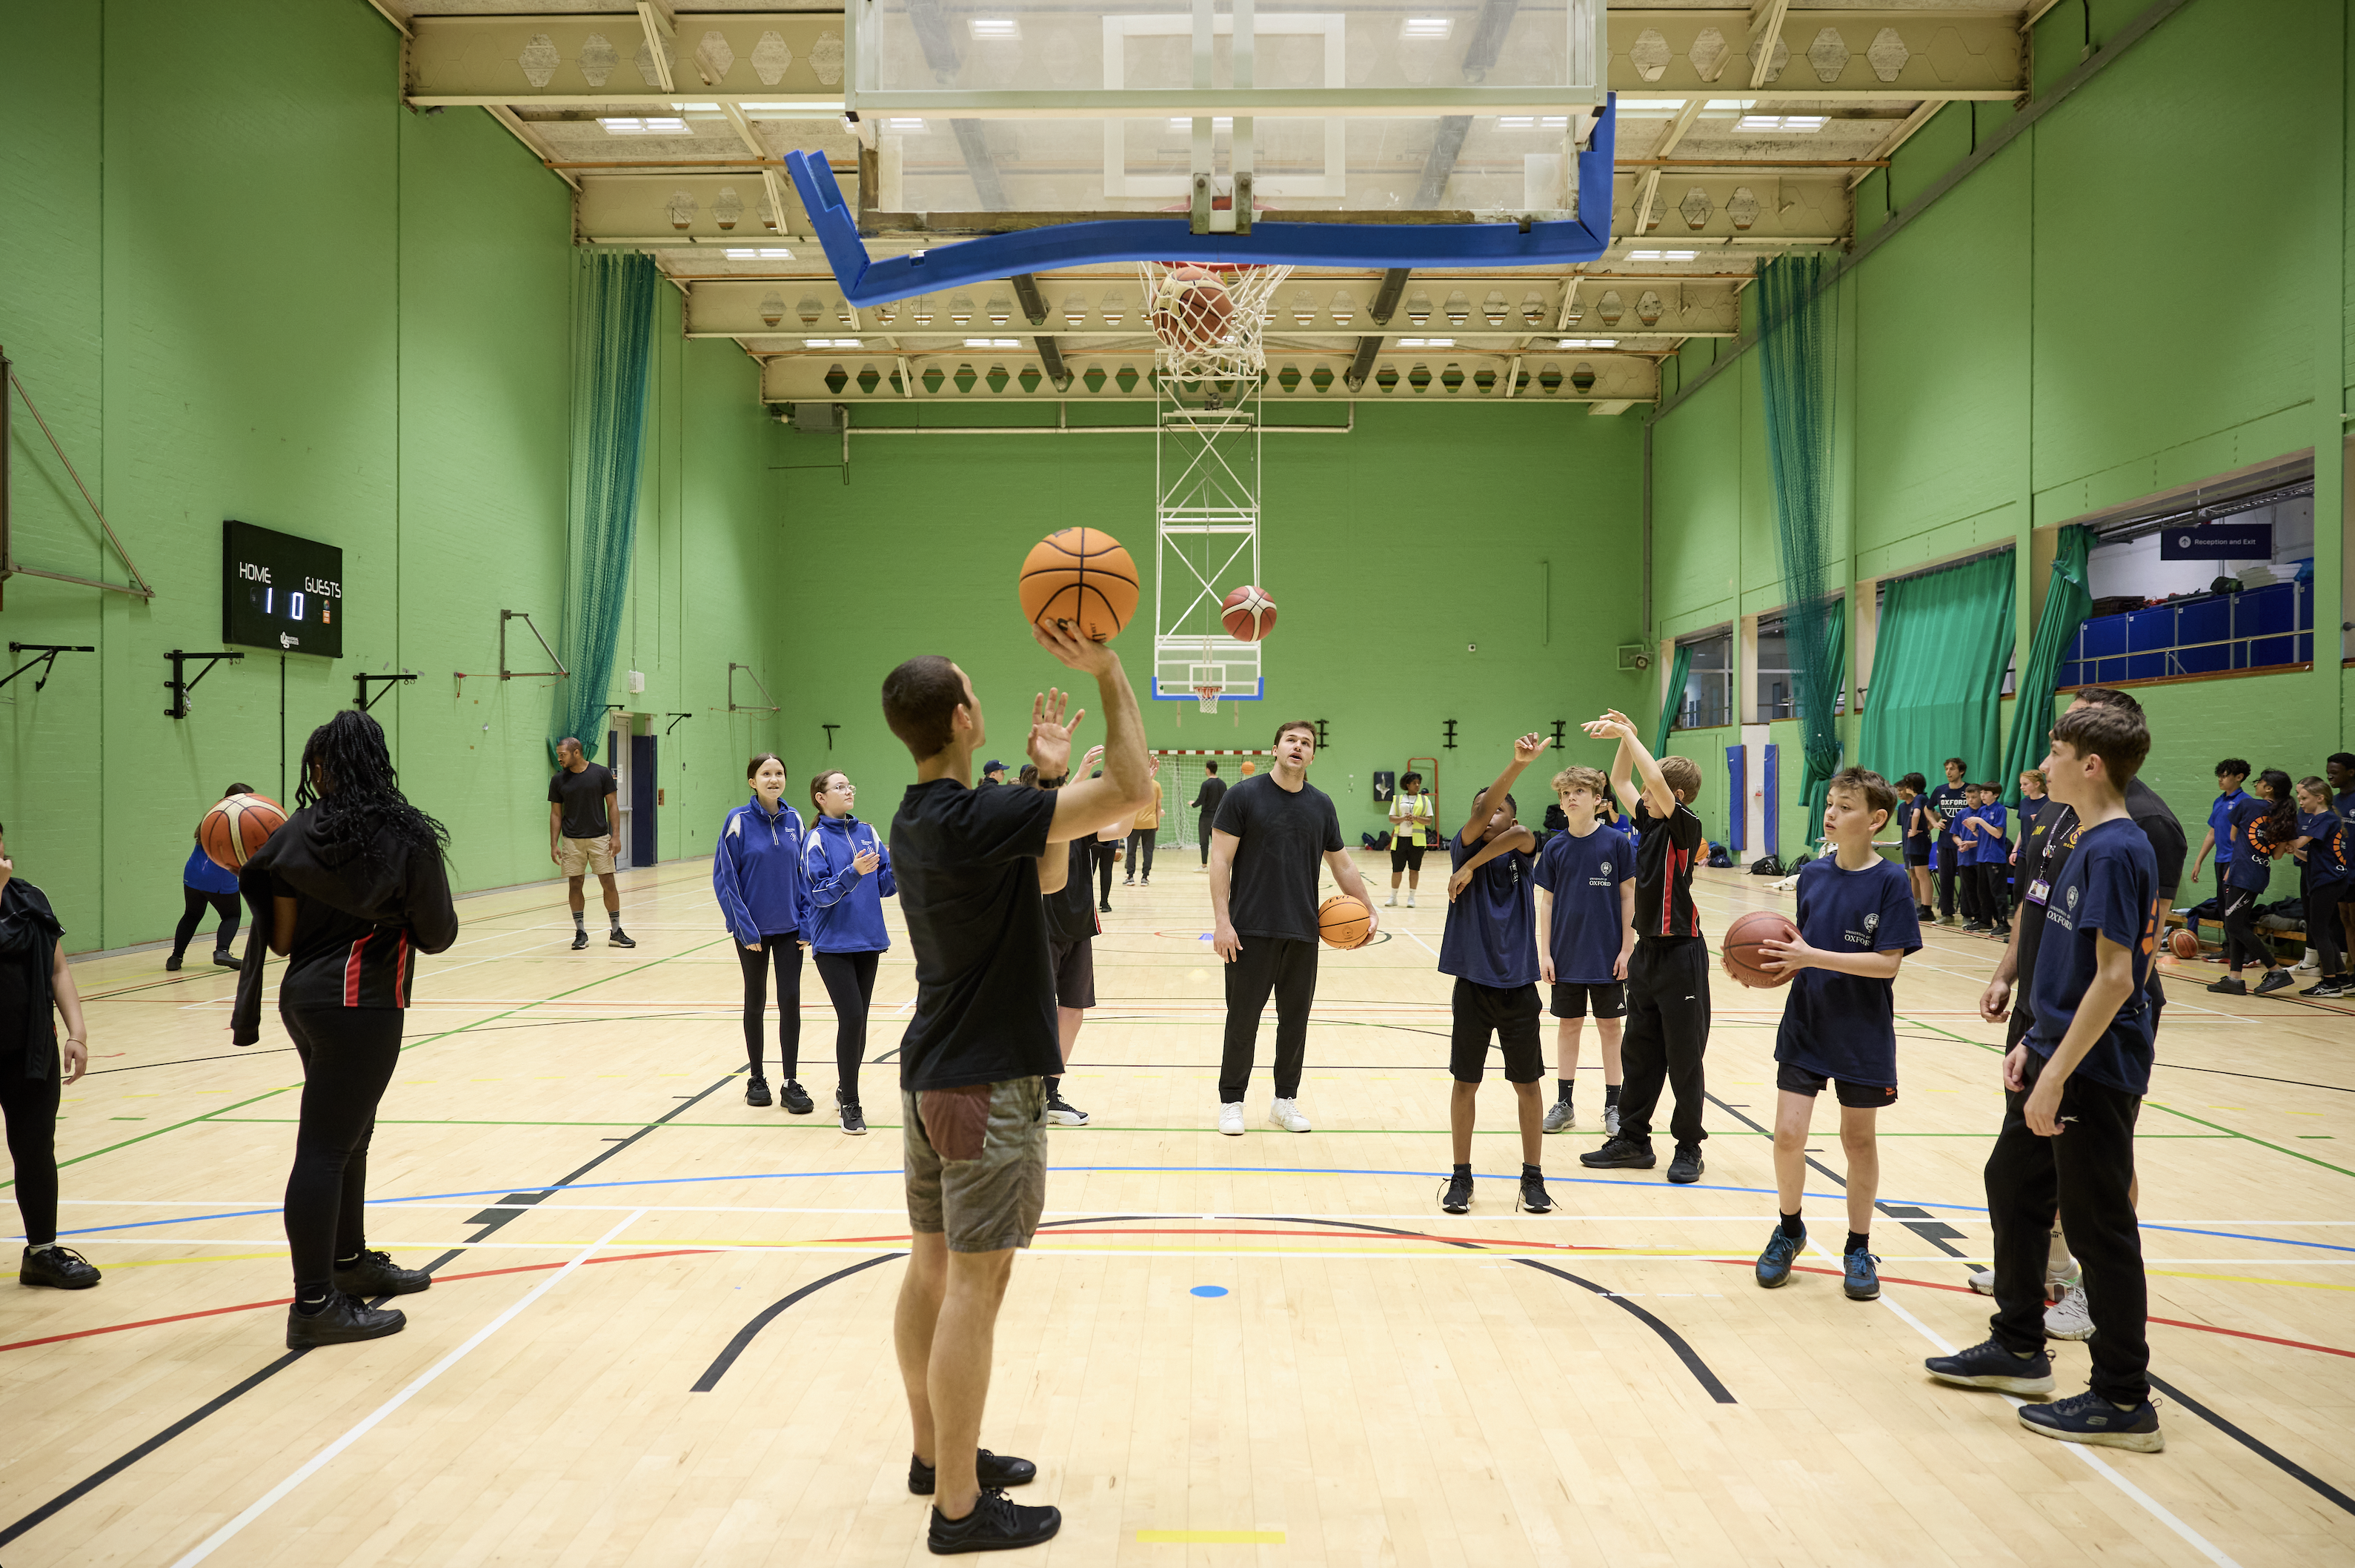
756 874
848 869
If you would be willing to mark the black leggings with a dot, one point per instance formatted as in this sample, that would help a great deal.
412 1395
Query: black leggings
31 1107
348 1055
850 982
2241 943
199 901
2322 933
1140 852
785 954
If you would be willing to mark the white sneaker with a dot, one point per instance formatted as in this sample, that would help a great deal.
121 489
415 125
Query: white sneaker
1392 903
1230 1118
1983 1281
1410 898
2070 1317
1285 1114
2055 1285
2307 964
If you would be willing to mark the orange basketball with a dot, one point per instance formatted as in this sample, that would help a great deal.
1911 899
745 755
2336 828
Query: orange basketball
1249 615
1741 954
235 828
1193 309
2182 944
1079 578
1344 922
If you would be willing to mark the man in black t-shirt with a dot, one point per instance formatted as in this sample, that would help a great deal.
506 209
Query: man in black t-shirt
1271 831
973 866
1667 974
1947 802
580 836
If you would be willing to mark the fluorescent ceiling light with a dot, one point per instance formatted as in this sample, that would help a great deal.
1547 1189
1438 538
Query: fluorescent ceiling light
1589 343
697 108
994 29
646 125
1425 28
1678 255
1799 122
1217 122
1643 255
1532 122
1426 343
993 343
757 253
904 125
832 343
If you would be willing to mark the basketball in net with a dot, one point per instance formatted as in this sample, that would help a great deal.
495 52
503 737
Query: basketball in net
232 830
1193 309
1249 615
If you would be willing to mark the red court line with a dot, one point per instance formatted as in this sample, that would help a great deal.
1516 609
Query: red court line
2170 1322
288 1300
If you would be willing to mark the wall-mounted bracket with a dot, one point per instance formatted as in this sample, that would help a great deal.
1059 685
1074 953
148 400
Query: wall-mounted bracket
559 672
44 654
182 683
1451 735
676 721
137 587
361 699
736 707
829 730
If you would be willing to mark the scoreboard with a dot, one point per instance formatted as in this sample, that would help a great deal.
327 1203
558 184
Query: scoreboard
279 591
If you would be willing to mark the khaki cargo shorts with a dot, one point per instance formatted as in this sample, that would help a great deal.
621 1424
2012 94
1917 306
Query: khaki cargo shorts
575 856
992 1199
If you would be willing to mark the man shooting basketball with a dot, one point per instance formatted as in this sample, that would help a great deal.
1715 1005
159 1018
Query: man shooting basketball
1271 831
971 865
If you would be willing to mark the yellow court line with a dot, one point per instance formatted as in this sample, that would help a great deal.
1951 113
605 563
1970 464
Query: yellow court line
1210 1537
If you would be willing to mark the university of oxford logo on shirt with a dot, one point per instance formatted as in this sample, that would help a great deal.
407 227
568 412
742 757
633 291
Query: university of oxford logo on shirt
1871 923
1606 868
2072 901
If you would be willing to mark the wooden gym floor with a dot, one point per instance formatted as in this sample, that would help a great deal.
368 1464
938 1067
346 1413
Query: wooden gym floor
662 1334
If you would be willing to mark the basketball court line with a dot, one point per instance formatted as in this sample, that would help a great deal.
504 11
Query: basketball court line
368 1422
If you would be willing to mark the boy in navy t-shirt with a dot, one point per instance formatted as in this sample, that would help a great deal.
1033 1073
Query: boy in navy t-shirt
1586 931
1490 947
1986 853
2073 1087
1856 922
1914 818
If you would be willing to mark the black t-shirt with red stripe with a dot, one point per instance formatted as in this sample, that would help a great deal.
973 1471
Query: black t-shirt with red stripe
1667 850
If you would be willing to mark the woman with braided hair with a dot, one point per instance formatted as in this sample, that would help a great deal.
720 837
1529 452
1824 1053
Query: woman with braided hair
349 891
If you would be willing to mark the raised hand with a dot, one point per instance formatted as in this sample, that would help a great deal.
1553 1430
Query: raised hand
1526 748
1081 653
1049 744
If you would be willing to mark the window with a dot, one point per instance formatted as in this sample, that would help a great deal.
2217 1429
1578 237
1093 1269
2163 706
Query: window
2155 619
1709 683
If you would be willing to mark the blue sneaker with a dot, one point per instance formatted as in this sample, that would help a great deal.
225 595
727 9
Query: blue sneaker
1988 1365
1775 1262
1859 1277
2090 1418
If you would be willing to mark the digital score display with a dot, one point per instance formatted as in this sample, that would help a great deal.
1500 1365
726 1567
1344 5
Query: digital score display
279 591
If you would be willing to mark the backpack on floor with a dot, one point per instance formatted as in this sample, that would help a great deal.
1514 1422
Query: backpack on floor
1766 866
1718 858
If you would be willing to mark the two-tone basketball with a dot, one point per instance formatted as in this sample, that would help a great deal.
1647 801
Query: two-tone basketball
237 826
1249 615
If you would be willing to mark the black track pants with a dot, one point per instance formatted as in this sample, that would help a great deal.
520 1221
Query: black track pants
2322 931
31 1107
2241 943
197 902
851 982
1140 852
1286 970
1948 868
2086 1173
348 1055
1667 1033
1202 823
1105 851
784 954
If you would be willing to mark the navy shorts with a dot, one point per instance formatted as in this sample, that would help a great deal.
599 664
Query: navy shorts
1510 1013
1855 1096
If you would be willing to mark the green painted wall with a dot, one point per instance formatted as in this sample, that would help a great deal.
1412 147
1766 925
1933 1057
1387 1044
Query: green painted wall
331 317
2023 352
1387 552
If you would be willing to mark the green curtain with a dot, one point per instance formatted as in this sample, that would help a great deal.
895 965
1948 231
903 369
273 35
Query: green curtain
613 343
1796 333
1938 670
1672 703
1814 783
2066 599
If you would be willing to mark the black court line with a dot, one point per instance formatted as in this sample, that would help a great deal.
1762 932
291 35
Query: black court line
768 1315
489 1219
2282 1462
2258 1077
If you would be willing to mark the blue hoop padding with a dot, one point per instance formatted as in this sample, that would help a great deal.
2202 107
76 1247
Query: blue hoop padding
866 281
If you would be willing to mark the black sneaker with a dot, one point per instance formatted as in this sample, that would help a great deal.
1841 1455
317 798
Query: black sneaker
2326 988
579 938
345 1320
1620 1154
1063 1113
1988 1365
1687 1167
756 1090
797 1099
1104 908
2275 981
996 1524
376 1275
228 960
2090 1418
993 1469
2230 986
854 1122
617 937
1533 1199
1455 1197
172 964
61 1268
1972 926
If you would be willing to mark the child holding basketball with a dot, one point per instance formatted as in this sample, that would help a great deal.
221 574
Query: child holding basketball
2073 1089
1487 946
1667 974
1857 923
1587 933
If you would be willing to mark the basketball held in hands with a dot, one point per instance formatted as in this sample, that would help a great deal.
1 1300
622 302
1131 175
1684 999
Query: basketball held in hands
1343 922
1745 958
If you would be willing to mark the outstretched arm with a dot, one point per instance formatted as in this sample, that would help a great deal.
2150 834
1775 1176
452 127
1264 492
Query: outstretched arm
1637 758
1484 805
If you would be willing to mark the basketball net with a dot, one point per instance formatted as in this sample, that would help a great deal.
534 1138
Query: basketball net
1199 341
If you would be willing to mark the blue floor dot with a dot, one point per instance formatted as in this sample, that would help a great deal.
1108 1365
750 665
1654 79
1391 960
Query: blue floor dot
1209 1290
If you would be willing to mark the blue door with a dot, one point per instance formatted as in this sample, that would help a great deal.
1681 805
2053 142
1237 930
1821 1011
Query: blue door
642 800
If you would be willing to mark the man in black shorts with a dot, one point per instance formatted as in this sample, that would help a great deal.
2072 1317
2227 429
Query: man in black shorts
973 866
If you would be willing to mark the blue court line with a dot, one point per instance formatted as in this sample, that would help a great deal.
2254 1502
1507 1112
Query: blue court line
1194 1170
